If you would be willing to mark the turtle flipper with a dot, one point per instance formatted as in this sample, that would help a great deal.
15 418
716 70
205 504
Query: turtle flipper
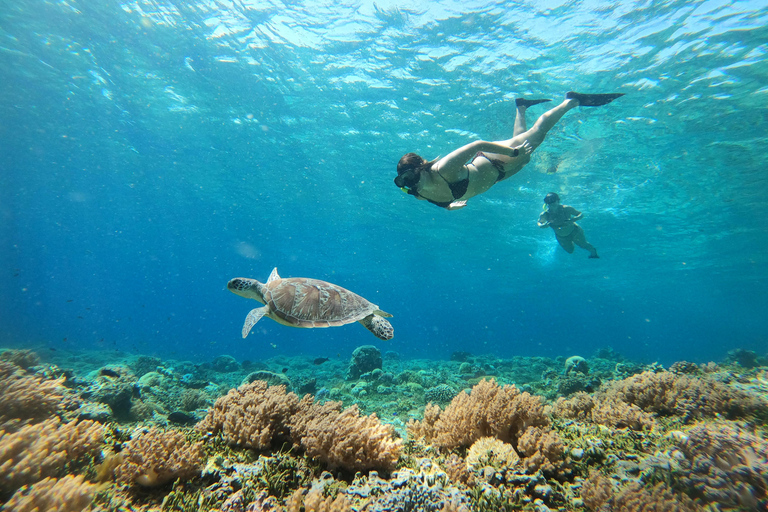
378 326
253 317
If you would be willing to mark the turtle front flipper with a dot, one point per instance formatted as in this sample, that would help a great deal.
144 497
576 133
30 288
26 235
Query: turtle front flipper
253 317
378 326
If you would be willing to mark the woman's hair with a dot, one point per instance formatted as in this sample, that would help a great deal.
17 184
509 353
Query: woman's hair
551 198
408 169
409 161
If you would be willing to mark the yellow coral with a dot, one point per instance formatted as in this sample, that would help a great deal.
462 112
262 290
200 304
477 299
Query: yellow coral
489 410
253 415
489 451
156 457
344 438
68 494
44 449
26 397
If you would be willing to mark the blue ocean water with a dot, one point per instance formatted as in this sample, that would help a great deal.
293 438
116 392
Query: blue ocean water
151 151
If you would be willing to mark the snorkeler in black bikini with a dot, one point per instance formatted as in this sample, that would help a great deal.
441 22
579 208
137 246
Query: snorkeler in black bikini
450 181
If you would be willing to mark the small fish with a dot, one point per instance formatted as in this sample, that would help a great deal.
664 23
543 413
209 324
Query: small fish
320 360
284 370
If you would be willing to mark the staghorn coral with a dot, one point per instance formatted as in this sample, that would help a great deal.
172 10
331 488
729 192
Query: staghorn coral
29 398
68 494
489 410
43 450
253 415
343 438
726 465
157 457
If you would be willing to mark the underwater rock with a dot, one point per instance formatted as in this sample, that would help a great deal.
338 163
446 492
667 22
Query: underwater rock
305 385
190 381
112 385
95 412
461 357
685 368
145 364
182 418
365 358
24 359
225 364
576 364
743 358
271 378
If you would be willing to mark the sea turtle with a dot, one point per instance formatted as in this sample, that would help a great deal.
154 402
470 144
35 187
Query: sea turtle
303 302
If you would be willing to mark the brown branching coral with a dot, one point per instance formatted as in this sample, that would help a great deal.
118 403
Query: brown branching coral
666 393
599 495
44 450
68 494
254 415
257 416
489 410
25 397
157 457
343 438
314 501
543 450
634 401
608 411
726 465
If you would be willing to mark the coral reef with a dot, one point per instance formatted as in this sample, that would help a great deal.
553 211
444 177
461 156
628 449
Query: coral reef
599 495
157 457
343 438
45 449
489 410
254 415
29 397
67 494
678 440
726 465
364 359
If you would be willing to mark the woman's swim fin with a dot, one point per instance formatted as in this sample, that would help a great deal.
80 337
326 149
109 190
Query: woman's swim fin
522 102
593 100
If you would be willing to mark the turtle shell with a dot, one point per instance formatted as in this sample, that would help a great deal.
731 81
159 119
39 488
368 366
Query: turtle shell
307 302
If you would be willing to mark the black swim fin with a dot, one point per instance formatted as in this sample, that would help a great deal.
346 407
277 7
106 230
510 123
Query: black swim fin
522 102
593 100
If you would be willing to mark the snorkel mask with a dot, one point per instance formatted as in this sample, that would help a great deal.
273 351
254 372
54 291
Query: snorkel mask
550 199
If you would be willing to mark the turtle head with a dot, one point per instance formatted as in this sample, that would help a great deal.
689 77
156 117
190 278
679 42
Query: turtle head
248 288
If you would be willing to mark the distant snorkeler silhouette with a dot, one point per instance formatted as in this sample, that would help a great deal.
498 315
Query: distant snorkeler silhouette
448 182
561 218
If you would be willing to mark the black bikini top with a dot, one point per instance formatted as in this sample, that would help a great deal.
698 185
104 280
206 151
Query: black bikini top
458 189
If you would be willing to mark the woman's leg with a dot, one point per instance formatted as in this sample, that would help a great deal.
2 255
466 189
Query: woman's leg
566 244
535 136
581 240
520 125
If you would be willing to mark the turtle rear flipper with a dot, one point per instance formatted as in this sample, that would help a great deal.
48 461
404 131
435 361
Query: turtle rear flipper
378 326
253 317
